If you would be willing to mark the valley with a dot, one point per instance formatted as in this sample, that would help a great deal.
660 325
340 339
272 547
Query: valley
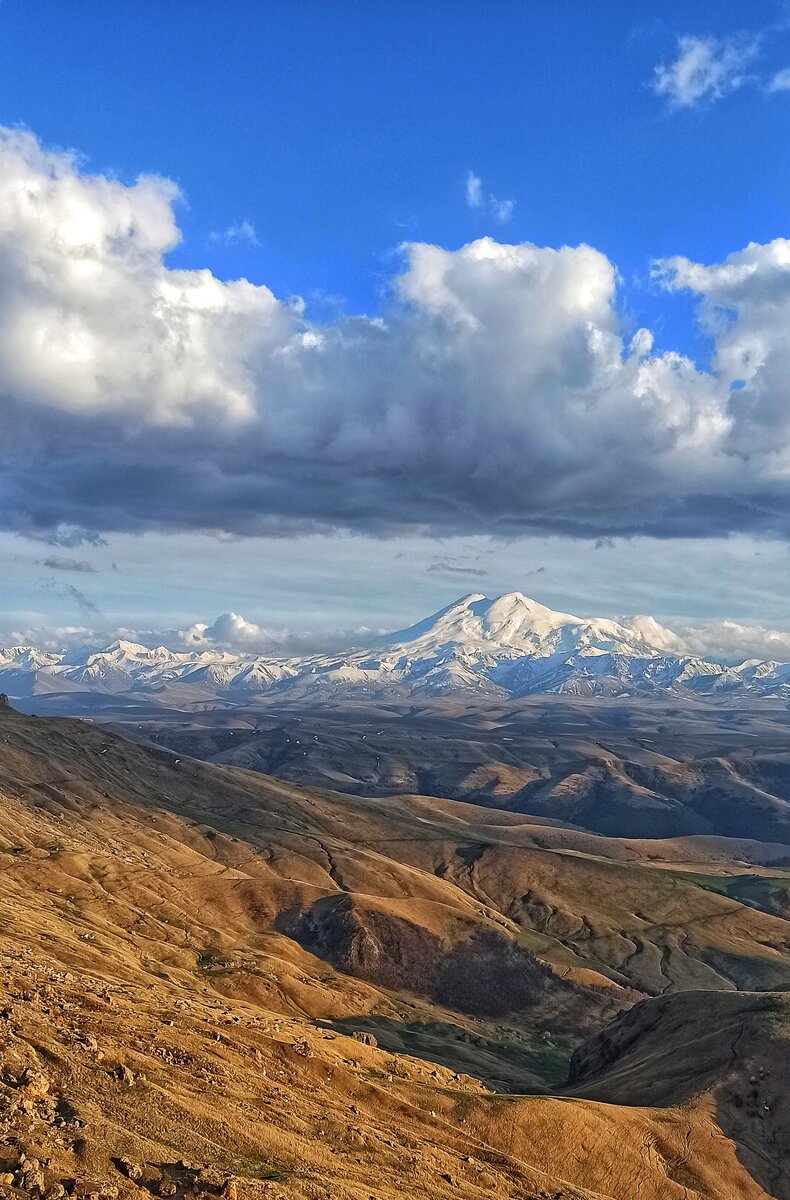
642 768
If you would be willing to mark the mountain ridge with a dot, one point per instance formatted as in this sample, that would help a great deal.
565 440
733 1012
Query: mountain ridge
508 647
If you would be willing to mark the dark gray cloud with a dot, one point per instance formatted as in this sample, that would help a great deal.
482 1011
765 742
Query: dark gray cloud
84 602
69 592
446 567
496 393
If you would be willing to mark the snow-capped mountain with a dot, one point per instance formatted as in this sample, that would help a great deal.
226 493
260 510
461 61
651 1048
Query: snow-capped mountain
508 647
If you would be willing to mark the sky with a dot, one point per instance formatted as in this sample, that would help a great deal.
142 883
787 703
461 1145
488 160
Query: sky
326 315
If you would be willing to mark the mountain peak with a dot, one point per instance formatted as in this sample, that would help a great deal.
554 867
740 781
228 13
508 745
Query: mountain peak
517 605
123 651
514 621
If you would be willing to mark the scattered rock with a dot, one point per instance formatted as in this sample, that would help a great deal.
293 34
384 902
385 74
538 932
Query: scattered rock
33 1083
31 1180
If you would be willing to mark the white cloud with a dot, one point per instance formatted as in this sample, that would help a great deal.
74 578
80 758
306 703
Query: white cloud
474 191
745 306
641 343
716 640
730 641
705 69
780 81
496 393
500 210
230 630
656 635
55 638
238 231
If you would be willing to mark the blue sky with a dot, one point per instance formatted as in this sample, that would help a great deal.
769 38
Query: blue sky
340 130
308 141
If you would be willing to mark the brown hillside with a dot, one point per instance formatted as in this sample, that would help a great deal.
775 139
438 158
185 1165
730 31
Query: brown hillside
188 952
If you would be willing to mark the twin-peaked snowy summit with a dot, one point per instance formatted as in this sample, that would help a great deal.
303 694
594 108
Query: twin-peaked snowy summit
510 646
515 646
512 620
517 623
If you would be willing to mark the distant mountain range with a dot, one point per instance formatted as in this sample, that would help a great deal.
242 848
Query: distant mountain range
505 648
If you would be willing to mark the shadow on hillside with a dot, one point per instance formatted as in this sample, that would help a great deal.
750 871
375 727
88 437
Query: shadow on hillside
508 1066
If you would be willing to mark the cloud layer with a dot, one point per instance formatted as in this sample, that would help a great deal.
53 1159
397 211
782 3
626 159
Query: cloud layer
497 392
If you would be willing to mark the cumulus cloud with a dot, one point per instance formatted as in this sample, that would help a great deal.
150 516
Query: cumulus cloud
229 632
497 391
716 640
705 69
58 638
229 629
745 306
656 635
233 632
780 81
